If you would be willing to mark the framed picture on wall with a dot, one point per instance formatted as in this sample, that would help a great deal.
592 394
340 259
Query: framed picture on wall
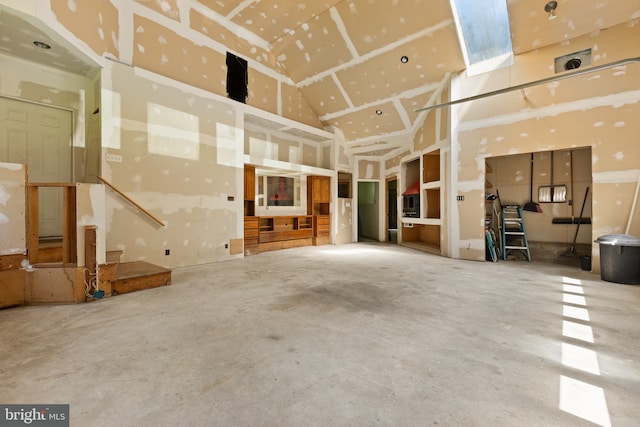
280 191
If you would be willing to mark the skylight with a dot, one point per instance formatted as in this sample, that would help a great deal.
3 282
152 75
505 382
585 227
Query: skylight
483 28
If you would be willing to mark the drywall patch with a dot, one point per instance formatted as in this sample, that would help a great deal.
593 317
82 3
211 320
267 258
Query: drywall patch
4 195
168 54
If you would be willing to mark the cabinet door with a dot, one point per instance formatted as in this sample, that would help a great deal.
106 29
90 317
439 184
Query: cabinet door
321 190
249 183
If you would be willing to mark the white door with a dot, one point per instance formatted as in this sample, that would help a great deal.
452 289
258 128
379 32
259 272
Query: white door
40 137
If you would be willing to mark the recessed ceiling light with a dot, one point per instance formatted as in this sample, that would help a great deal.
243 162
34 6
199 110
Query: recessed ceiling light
404 59
550 8
379 112
41 45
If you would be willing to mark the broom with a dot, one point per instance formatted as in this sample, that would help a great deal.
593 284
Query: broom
530 205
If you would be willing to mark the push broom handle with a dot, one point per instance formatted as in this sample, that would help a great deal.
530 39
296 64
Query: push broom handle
575 238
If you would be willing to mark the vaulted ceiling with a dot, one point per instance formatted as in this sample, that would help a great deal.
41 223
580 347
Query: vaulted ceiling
345 55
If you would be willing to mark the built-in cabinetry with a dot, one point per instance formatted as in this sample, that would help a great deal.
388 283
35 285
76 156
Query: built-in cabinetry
251 234
421 222
250 221
268 233
249 190
282 232
318 202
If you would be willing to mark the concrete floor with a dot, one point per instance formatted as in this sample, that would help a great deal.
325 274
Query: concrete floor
351 335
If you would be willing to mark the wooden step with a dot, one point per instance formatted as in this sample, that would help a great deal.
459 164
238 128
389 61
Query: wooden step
139 275
113 257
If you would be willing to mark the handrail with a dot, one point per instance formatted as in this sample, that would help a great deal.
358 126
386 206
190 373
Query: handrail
128 199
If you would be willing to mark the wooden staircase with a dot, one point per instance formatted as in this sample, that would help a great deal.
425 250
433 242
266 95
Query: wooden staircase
123 277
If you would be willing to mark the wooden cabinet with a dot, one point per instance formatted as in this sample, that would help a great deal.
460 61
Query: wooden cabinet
318 203
251 234
318 195
249 190
282 232
322 229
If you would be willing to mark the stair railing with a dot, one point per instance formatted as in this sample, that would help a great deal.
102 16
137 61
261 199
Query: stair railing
132 202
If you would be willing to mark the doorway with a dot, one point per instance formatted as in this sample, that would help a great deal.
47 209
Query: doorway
555 189
40 137
368 212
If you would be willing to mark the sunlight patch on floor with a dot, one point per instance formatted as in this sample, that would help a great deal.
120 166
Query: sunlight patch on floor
580 398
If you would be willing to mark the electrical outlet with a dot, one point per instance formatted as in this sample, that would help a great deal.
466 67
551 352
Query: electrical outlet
460 198
115 158
167 252
226 246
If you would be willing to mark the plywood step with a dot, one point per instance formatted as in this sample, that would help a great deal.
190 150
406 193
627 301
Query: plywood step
139 275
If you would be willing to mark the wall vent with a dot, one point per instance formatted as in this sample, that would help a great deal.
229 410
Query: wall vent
573 61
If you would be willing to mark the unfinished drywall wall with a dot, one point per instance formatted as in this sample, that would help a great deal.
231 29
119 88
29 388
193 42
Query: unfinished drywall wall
344 214
13 179
393 163
95 23
296 107
186 43
44 85
226 37
369 169
596 110
179 155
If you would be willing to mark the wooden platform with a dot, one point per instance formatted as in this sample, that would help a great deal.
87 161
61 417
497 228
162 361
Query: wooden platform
139 275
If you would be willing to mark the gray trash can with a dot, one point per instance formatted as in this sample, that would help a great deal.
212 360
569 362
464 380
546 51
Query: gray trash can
620 258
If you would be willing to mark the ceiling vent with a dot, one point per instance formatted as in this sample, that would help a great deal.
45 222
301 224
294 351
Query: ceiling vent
573 61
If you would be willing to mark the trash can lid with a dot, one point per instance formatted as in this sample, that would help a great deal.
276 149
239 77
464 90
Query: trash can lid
618 240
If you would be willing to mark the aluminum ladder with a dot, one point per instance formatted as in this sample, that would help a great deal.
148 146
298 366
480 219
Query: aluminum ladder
514 237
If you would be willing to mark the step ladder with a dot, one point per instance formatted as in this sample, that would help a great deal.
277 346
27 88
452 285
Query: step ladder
514 237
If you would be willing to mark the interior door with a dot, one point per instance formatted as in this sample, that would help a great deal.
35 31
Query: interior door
40 137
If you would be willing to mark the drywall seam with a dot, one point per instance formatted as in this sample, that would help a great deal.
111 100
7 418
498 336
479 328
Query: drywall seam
376 52
343 92
241 32
402 113
244 4
437 89
408 94
394 153
615 101
469 186
360 150
616 177
126 36
335 15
